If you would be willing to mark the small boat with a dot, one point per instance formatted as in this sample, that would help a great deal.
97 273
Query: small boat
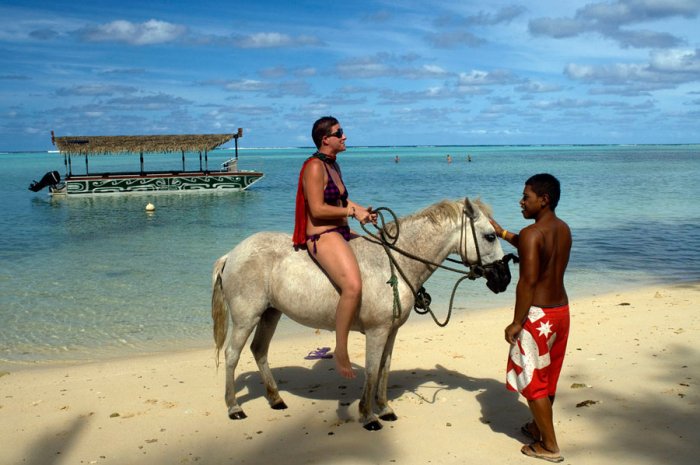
228 177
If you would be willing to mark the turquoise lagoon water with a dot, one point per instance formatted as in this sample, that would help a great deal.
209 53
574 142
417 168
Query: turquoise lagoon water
91 278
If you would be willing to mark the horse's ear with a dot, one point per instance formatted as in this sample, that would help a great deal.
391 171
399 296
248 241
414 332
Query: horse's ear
469 209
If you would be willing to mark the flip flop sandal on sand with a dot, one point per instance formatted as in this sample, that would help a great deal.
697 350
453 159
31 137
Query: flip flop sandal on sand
530 451
319 353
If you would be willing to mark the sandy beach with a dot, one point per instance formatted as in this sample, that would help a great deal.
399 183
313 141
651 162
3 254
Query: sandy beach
628 394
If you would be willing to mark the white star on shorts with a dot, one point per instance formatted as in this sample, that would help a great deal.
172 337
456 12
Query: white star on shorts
545 328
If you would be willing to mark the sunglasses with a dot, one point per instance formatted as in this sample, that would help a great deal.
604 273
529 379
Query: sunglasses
339 133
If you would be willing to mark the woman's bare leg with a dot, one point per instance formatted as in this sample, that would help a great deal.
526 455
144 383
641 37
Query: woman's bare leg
334 255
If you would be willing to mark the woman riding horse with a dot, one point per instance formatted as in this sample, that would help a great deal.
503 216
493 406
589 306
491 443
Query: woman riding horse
322 228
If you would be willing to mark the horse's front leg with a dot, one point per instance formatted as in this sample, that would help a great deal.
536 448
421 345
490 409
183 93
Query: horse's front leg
385 411
375 341
259 347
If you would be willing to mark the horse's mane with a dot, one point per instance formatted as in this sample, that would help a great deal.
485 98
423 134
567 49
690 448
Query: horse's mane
483 206
443 210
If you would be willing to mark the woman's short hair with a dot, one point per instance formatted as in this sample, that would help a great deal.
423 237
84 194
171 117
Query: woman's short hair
322 127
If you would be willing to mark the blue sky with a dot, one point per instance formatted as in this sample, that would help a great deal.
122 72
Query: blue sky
394 72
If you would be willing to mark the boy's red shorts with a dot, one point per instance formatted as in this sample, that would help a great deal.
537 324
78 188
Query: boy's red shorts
536 359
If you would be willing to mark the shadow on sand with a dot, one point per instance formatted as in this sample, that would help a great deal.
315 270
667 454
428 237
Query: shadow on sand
649 430
498 406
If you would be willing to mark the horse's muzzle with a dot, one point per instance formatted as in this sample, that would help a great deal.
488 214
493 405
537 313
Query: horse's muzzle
497 274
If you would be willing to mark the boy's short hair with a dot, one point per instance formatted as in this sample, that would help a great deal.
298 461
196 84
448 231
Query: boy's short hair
545 183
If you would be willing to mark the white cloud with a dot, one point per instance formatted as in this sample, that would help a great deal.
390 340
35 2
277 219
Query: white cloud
632 11
537 87
148 33
477 82
306 72
94 90
158 101
666 68
610 20
453 39
246 85
364 69
434 69
484 78
608 73
274 40
685 61
557 28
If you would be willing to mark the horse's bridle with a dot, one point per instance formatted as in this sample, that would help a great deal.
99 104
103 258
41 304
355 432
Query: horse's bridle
478 269
422 299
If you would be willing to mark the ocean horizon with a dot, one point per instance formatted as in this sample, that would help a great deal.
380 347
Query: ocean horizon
98 277
309 147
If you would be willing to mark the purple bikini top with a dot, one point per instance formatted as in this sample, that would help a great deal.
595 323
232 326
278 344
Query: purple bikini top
331 194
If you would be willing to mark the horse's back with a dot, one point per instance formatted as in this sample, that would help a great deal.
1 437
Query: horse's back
265 270
257 252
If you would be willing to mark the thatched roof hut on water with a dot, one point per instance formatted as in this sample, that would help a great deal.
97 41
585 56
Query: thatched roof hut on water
115 145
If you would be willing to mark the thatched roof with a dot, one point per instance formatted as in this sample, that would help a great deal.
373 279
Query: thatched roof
101 145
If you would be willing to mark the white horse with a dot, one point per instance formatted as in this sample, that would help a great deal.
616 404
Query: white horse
264 277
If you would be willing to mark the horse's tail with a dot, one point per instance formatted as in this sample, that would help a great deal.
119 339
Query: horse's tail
219 307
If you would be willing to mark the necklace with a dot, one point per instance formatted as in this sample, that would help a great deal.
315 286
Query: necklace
324 157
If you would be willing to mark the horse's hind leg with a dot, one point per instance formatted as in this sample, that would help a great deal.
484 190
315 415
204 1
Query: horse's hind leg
259 347
239 334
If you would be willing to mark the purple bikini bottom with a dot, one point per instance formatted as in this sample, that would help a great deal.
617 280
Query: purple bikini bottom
342 230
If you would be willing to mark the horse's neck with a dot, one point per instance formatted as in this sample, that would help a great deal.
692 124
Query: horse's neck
429 241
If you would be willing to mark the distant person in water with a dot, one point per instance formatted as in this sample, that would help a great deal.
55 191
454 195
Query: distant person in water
540 327
322 211
469 158
396 159
449 158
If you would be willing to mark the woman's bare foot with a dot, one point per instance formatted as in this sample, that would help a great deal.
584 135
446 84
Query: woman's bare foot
343 365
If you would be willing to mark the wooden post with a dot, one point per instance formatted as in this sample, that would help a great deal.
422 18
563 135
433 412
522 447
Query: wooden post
141 157
183 160
200 160
206 160
235 138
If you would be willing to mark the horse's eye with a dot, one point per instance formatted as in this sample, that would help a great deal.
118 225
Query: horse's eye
491 237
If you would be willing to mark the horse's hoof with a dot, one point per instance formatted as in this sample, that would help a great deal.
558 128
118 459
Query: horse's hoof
373 426
279 405
237 415
389 417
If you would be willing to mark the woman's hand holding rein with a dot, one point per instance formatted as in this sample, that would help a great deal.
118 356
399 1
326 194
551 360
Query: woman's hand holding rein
361 214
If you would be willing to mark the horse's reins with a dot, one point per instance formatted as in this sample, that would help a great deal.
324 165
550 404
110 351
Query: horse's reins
422 299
